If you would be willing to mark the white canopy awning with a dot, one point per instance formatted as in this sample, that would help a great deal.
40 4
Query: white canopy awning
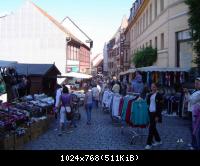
128 71
60 81
77 75
156 68
162 69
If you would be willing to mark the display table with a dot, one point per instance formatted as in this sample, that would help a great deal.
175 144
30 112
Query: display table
24 120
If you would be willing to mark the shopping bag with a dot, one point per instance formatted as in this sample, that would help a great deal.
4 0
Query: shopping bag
69 115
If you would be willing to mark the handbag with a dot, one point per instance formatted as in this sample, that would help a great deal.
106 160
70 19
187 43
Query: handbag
69 115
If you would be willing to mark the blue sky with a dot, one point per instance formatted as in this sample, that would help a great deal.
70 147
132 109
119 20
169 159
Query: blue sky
99 19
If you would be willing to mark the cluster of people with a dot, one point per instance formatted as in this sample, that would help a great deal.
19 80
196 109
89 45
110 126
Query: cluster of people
193 101
94 91
16 86
64 104
155 101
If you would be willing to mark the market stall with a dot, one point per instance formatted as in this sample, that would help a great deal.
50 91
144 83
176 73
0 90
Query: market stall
166 76
170 80
7 77
42 77
24 119
78 75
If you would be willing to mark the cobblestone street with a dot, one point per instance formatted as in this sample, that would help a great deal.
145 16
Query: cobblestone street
105 135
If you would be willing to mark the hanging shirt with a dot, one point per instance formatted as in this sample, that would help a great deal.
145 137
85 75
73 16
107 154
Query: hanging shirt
139 113
152 107
107 99
99 88
58 94
115 106
124 108
121 106
2 88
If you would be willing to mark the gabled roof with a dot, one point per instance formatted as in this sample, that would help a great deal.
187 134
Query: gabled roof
34 69
98 63
94 58
62 28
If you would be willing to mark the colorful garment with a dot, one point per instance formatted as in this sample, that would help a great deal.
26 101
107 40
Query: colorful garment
139 113
115 106
121 106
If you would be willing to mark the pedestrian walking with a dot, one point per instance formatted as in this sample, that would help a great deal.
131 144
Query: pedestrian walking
88 102
95 96
155 102
193 100
65 109
57 99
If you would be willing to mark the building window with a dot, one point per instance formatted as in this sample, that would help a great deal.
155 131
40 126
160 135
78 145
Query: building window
146 44
150 13
184 35
156 8
68 52
147 15
156 42
162 41
139 27
161 5
150 43
126 55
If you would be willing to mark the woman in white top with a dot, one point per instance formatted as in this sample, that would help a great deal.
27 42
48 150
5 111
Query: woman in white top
155 102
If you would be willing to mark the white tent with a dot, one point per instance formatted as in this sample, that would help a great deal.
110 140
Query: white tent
77 75
60 81
156 68
162 69
128 71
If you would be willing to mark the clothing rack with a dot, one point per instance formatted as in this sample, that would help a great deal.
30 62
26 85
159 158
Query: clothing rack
117 120
137 131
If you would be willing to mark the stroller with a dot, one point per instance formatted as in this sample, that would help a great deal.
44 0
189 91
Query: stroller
75 106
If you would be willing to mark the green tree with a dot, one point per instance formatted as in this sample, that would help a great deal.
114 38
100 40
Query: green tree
194 23
145 57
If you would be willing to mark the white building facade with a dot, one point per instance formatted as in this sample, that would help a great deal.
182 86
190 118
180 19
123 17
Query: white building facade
105 59
162 24
30 35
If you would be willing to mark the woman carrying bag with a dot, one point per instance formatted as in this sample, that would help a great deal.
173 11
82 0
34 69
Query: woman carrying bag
65 109
155 102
